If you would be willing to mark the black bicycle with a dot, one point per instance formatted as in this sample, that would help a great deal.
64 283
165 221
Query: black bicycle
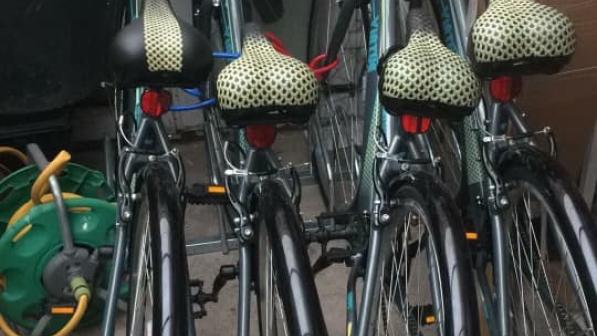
153 51
379 172
259 197
535 232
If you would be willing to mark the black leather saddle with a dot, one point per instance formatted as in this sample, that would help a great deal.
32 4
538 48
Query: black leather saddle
158 49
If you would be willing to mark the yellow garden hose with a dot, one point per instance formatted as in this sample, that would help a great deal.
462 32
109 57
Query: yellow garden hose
14 152
41 186
81 293
77 316
24 209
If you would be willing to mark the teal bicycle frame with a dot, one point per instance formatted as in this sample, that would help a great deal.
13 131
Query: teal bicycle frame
383 34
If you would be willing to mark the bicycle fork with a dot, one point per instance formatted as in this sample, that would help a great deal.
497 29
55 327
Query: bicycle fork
371 274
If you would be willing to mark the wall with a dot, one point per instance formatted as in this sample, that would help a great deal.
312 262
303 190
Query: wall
568 101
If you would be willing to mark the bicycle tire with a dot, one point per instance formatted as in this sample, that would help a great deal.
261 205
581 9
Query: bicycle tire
283 277
565 226
447 259
336 129
158 254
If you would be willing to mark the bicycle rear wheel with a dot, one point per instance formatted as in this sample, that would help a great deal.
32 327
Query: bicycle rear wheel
424 284
287 298
336 130
159 302
272 318
552 247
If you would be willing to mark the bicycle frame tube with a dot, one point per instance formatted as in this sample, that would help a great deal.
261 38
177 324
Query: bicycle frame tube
232 11
232 28
216 166
478 180
492 119
254 164
245 258
131 159
384 34
382 37
121 232
114 284
232 33
380 40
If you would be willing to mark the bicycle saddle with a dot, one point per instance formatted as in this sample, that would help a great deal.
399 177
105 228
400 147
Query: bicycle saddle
265 86
425 78
521 37
158 49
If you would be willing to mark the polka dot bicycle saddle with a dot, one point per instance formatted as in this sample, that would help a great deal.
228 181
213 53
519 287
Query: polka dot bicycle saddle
158 49
425 78
516 37
264 86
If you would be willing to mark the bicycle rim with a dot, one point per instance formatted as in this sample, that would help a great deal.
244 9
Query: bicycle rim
547 297
336 130
410 300
140 315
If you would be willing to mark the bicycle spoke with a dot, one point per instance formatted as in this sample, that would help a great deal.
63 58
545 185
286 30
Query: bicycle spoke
275 319
142 313
534 283
337 117
548 307
403 290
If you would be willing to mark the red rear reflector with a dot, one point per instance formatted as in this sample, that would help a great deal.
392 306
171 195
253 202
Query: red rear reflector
414 124
154 103
260 136
505 89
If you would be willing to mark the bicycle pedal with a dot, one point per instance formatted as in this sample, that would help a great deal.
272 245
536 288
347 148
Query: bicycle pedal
198 299
228 272
334 255
337 254
206 194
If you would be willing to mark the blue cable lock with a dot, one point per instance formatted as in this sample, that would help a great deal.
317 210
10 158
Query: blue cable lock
197 93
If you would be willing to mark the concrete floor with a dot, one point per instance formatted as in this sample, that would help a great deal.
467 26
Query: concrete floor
201 221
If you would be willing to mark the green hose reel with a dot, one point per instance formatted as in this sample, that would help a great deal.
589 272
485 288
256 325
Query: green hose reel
15 188
28 245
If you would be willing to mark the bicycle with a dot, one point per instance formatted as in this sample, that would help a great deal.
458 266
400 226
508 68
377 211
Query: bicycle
536 234
155 50
258 203
263 195
380 174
